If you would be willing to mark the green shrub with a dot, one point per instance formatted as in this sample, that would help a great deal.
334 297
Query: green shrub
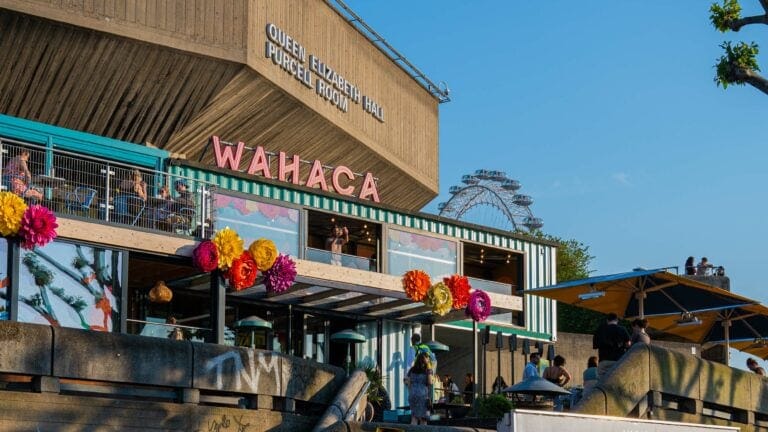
493 406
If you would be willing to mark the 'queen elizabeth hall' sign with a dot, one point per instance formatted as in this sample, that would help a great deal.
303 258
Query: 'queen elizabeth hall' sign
342 178
291 56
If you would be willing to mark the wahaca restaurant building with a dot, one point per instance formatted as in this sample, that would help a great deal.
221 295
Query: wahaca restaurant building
147 128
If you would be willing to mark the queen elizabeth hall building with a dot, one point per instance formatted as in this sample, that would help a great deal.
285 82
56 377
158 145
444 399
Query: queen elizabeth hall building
148 126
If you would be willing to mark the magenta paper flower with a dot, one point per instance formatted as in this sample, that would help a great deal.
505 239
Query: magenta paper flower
281 276
205 257
479 307
38 227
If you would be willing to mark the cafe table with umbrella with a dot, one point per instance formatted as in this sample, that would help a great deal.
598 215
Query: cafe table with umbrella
535 387
641 293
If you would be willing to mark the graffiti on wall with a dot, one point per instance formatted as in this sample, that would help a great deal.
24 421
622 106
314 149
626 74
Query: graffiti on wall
245 376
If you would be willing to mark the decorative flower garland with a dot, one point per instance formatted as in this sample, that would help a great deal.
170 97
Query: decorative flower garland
281 276
416 284
452 293
479 307
35 225
459 286
240 267
243 272
440 299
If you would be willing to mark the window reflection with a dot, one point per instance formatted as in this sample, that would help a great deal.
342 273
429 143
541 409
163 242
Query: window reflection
409 251
70 285
253 220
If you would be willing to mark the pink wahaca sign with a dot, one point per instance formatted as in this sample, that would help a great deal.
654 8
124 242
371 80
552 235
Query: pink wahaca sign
342 179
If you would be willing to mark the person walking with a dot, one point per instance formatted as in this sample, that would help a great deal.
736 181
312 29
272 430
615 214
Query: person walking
611 342
419 382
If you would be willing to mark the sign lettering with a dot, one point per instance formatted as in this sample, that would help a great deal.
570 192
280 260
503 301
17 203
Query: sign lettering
342 179
290 56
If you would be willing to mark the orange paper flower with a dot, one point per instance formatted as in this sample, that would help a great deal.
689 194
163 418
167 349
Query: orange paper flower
242 274
459 286
416 284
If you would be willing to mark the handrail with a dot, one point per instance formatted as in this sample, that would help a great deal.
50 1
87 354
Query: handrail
357 22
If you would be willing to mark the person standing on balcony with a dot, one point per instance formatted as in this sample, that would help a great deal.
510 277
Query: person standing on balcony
703 268
18 179
339 237
135 185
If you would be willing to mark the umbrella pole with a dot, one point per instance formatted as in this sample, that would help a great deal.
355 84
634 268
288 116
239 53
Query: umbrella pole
640 296
475 353
727 331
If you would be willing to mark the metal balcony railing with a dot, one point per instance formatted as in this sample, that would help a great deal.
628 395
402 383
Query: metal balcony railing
75 184
340 259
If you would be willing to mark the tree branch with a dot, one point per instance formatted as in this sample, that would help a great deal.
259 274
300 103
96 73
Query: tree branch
741 75
736 25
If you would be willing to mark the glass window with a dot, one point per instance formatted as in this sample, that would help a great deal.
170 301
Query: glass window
253 220
408 251
71 285
4 279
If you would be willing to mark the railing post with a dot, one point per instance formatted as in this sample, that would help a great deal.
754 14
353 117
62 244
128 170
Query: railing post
205 208
108 175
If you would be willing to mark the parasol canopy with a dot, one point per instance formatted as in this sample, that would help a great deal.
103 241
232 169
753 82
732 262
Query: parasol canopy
742 327
641 293
536 386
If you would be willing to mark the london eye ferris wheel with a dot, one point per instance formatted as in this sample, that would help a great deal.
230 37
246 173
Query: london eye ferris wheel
492 199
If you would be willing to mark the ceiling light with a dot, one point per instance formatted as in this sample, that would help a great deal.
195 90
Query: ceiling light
591 295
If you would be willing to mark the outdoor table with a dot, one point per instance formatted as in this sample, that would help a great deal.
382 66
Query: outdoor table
50 181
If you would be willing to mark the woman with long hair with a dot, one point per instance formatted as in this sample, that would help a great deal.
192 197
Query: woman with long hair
419 380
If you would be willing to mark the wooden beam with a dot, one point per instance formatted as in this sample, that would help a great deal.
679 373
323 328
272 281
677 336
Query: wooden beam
353 301
322 295
388 305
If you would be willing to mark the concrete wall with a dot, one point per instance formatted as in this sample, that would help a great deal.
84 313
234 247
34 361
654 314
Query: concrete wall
654 382
147 383
576 348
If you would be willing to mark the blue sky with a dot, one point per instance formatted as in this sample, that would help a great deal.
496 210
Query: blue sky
607 113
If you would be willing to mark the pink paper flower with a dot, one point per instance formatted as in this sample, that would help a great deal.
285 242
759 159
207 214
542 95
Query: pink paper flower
479 307
205 257
281 276
38 227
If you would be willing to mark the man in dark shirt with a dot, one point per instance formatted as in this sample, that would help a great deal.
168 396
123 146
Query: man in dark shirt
611 341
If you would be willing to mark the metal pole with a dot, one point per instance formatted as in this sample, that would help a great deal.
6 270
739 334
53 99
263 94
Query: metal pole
727 330
474 358
640 296
498 359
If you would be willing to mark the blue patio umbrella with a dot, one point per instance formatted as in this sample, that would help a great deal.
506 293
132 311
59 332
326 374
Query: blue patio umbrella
436 346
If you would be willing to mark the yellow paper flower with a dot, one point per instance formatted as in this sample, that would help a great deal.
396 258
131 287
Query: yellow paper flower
264 252
440 299
229 245
12 208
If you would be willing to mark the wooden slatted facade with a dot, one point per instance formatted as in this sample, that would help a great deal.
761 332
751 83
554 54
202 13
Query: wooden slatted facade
173 73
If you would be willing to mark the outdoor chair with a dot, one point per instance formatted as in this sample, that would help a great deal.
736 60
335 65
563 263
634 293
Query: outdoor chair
80 200
128 209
